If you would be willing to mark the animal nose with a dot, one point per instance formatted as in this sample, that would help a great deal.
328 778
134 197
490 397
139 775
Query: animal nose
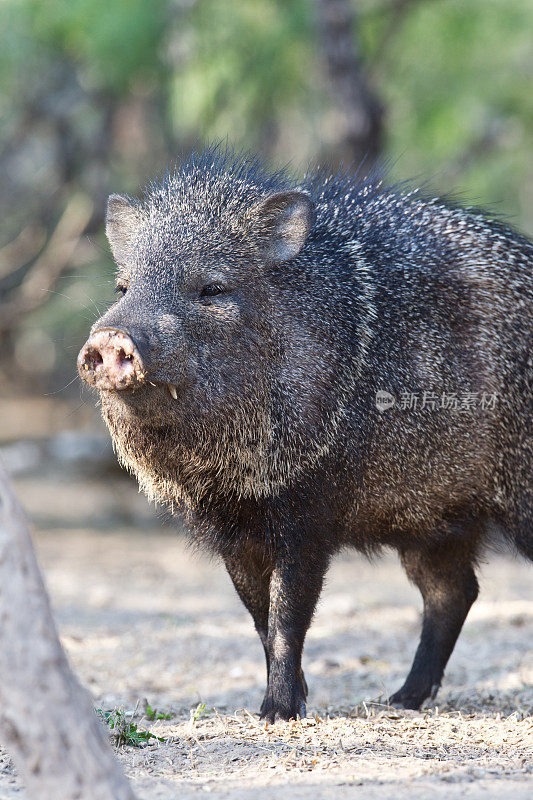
109 359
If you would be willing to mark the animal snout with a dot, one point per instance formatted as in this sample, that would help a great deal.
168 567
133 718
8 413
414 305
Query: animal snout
109 359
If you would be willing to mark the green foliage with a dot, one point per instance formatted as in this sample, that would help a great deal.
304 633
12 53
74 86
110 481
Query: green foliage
455 78
152 714
124 731
244 66
198 712
456 81
115 42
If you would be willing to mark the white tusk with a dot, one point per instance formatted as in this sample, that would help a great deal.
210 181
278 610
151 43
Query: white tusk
173 392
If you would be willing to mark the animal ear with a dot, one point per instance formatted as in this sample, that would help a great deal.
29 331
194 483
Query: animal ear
285 221
122 222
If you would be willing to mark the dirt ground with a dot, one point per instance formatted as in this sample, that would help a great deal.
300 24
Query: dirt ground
142 617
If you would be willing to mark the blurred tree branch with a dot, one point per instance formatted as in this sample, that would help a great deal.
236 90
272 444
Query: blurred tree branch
360 112
21 249
50 264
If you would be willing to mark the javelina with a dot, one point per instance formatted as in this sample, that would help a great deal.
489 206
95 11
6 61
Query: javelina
307 367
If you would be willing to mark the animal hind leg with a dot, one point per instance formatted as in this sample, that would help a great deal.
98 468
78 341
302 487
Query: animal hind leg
518 526
447 581
517 456
517 519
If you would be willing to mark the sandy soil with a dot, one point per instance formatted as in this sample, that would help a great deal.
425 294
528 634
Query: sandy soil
143 617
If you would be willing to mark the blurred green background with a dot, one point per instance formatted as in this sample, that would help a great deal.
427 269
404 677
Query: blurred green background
100 95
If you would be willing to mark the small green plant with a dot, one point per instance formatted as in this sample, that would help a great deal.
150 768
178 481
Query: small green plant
152 714
198 712
124 730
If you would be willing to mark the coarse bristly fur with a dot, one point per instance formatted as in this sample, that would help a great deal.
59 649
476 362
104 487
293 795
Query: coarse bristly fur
278 309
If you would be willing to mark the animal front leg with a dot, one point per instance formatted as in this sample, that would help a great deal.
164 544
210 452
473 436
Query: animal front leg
295 587
250 572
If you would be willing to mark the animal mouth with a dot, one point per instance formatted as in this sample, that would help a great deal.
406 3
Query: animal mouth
145 394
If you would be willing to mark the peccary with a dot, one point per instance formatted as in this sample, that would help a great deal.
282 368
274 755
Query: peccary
305 366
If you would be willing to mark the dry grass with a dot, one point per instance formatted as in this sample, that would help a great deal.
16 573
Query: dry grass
361 739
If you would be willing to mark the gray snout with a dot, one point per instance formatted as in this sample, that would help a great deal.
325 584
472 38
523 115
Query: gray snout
110 360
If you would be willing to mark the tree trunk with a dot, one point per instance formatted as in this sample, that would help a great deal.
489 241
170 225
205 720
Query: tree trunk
47 720
358 111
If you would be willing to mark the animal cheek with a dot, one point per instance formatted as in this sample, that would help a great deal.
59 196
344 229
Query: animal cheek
168 324
229 312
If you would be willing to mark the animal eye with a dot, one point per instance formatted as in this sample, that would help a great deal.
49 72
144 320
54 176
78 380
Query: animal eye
121 289
211 290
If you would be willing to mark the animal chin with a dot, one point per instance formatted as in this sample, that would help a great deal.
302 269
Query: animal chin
139 401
